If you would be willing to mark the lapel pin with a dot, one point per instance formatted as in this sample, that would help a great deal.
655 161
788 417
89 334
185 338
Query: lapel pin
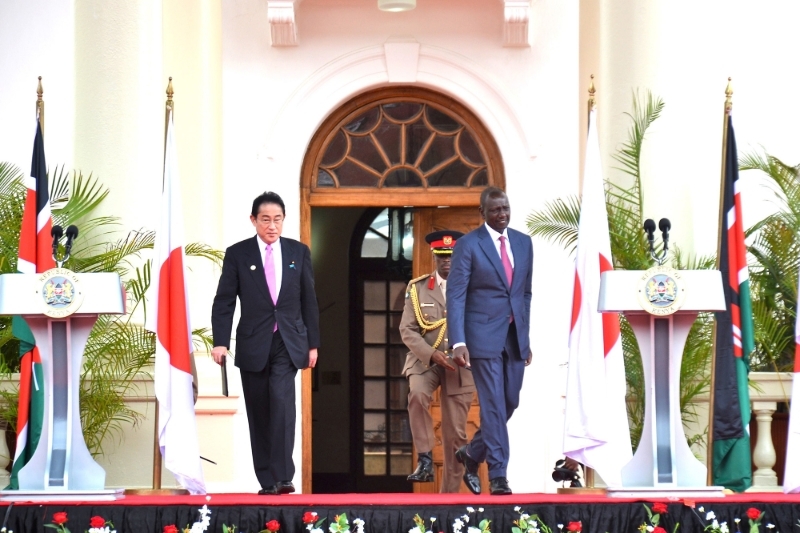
292 265
252 267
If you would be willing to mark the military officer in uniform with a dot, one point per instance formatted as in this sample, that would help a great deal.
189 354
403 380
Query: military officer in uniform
424 331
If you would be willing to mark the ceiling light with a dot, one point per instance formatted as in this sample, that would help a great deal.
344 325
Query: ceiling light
396 6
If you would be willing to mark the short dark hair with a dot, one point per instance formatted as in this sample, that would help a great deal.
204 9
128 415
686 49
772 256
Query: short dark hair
491 192
267 198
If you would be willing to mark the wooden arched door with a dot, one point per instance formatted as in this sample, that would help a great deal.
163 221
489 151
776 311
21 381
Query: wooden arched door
398 147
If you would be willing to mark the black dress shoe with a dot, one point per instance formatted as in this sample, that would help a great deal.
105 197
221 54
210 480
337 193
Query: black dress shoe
272 490
285 487
424 471
499 486
471 478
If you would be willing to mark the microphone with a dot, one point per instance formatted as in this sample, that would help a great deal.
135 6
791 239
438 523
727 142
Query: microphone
56 233
664 225
72 233
649 228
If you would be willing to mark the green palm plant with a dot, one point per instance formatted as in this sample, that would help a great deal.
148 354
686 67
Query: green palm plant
558 223
119 347
775 259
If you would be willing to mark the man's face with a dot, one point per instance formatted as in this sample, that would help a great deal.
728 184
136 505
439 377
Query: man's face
269 222
442 262
497 212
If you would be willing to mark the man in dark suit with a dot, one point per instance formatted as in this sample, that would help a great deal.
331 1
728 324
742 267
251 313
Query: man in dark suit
488 314
278 333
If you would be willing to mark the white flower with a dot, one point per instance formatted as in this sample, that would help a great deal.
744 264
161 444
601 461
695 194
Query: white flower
710 515
465 518
473 530
316 530
480 509
715 524
524 516
310 527
433 519
723 527
560 526
534 523
770 526
517 509
650 529
470 510
701 509
737 520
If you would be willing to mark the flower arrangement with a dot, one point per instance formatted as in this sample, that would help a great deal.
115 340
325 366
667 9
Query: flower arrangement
654 518
98 524
529 523
460 522
754 517
419 525
341 524
313 522
574 527
59 519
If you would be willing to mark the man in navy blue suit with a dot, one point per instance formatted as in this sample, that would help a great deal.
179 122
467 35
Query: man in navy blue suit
488 315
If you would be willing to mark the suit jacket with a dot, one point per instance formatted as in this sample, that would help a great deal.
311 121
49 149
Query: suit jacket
418 360
479 300
296 312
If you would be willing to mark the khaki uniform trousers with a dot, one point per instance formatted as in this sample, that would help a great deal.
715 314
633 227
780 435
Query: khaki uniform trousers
455 409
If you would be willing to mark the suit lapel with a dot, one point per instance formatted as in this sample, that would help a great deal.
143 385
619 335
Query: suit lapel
259 277
287 259
487 245
518 250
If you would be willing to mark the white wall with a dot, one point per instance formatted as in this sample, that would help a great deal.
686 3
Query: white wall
36 39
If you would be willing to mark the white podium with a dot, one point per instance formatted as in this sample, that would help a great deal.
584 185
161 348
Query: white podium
661 304
61 308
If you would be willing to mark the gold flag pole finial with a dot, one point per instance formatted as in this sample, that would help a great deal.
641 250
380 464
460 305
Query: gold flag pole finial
591 92
728 95
170 92
40 104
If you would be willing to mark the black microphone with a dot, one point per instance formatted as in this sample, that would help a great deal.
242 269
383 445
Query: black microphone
72 233
649 228
664 225
56 233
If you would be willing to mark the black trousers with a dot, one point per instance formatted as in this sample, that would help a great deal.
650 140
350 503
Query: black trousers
269 396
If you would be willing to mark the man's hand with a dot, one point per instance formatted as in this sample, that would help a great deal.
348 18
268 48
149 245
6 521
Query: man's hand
461 356
312 358
218 352
529 359
441 359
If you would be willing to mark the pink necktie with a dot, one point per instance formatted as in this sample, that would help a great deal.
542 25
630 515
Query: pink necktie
269 272
506 261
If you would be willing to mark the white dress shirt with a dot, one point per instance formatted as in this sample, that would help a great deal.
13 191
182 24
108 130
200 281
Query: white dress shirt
277 257
496 240
442 283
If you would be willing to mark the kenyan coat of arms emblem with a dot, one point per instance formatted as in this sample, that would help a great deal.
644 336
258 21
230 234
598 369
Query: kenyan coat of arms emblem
60 291
661 291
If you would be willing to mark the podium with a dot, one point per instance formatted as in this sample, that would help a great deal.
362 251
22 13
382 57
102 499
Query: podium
661 304
61 308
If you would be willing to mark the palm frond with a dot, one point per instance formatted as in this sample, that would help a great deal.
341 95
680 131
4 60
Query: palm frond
557 222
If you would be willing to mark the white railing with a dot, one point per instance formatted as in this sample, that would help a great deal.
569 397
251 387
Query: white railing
767 389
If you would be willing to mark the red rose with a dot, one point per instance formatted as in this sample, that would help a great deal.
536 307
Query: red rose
753 513
659 507
659 529
574 526
171 529
97 521
309 517
60 518
273 525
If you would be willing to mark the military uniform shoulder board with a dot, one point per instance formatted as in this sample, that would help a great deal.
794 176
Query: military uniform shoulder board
412 282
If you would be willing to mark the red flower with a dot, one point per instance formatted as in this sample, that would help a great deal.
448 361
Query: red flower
273 525
171 529
309 517
97 521
753 513
659 507
60 518
574 526
659 529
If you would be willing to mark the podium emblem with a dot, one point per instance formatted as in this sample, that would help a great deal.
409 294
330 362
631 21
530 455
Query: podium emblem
661 291
60 291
